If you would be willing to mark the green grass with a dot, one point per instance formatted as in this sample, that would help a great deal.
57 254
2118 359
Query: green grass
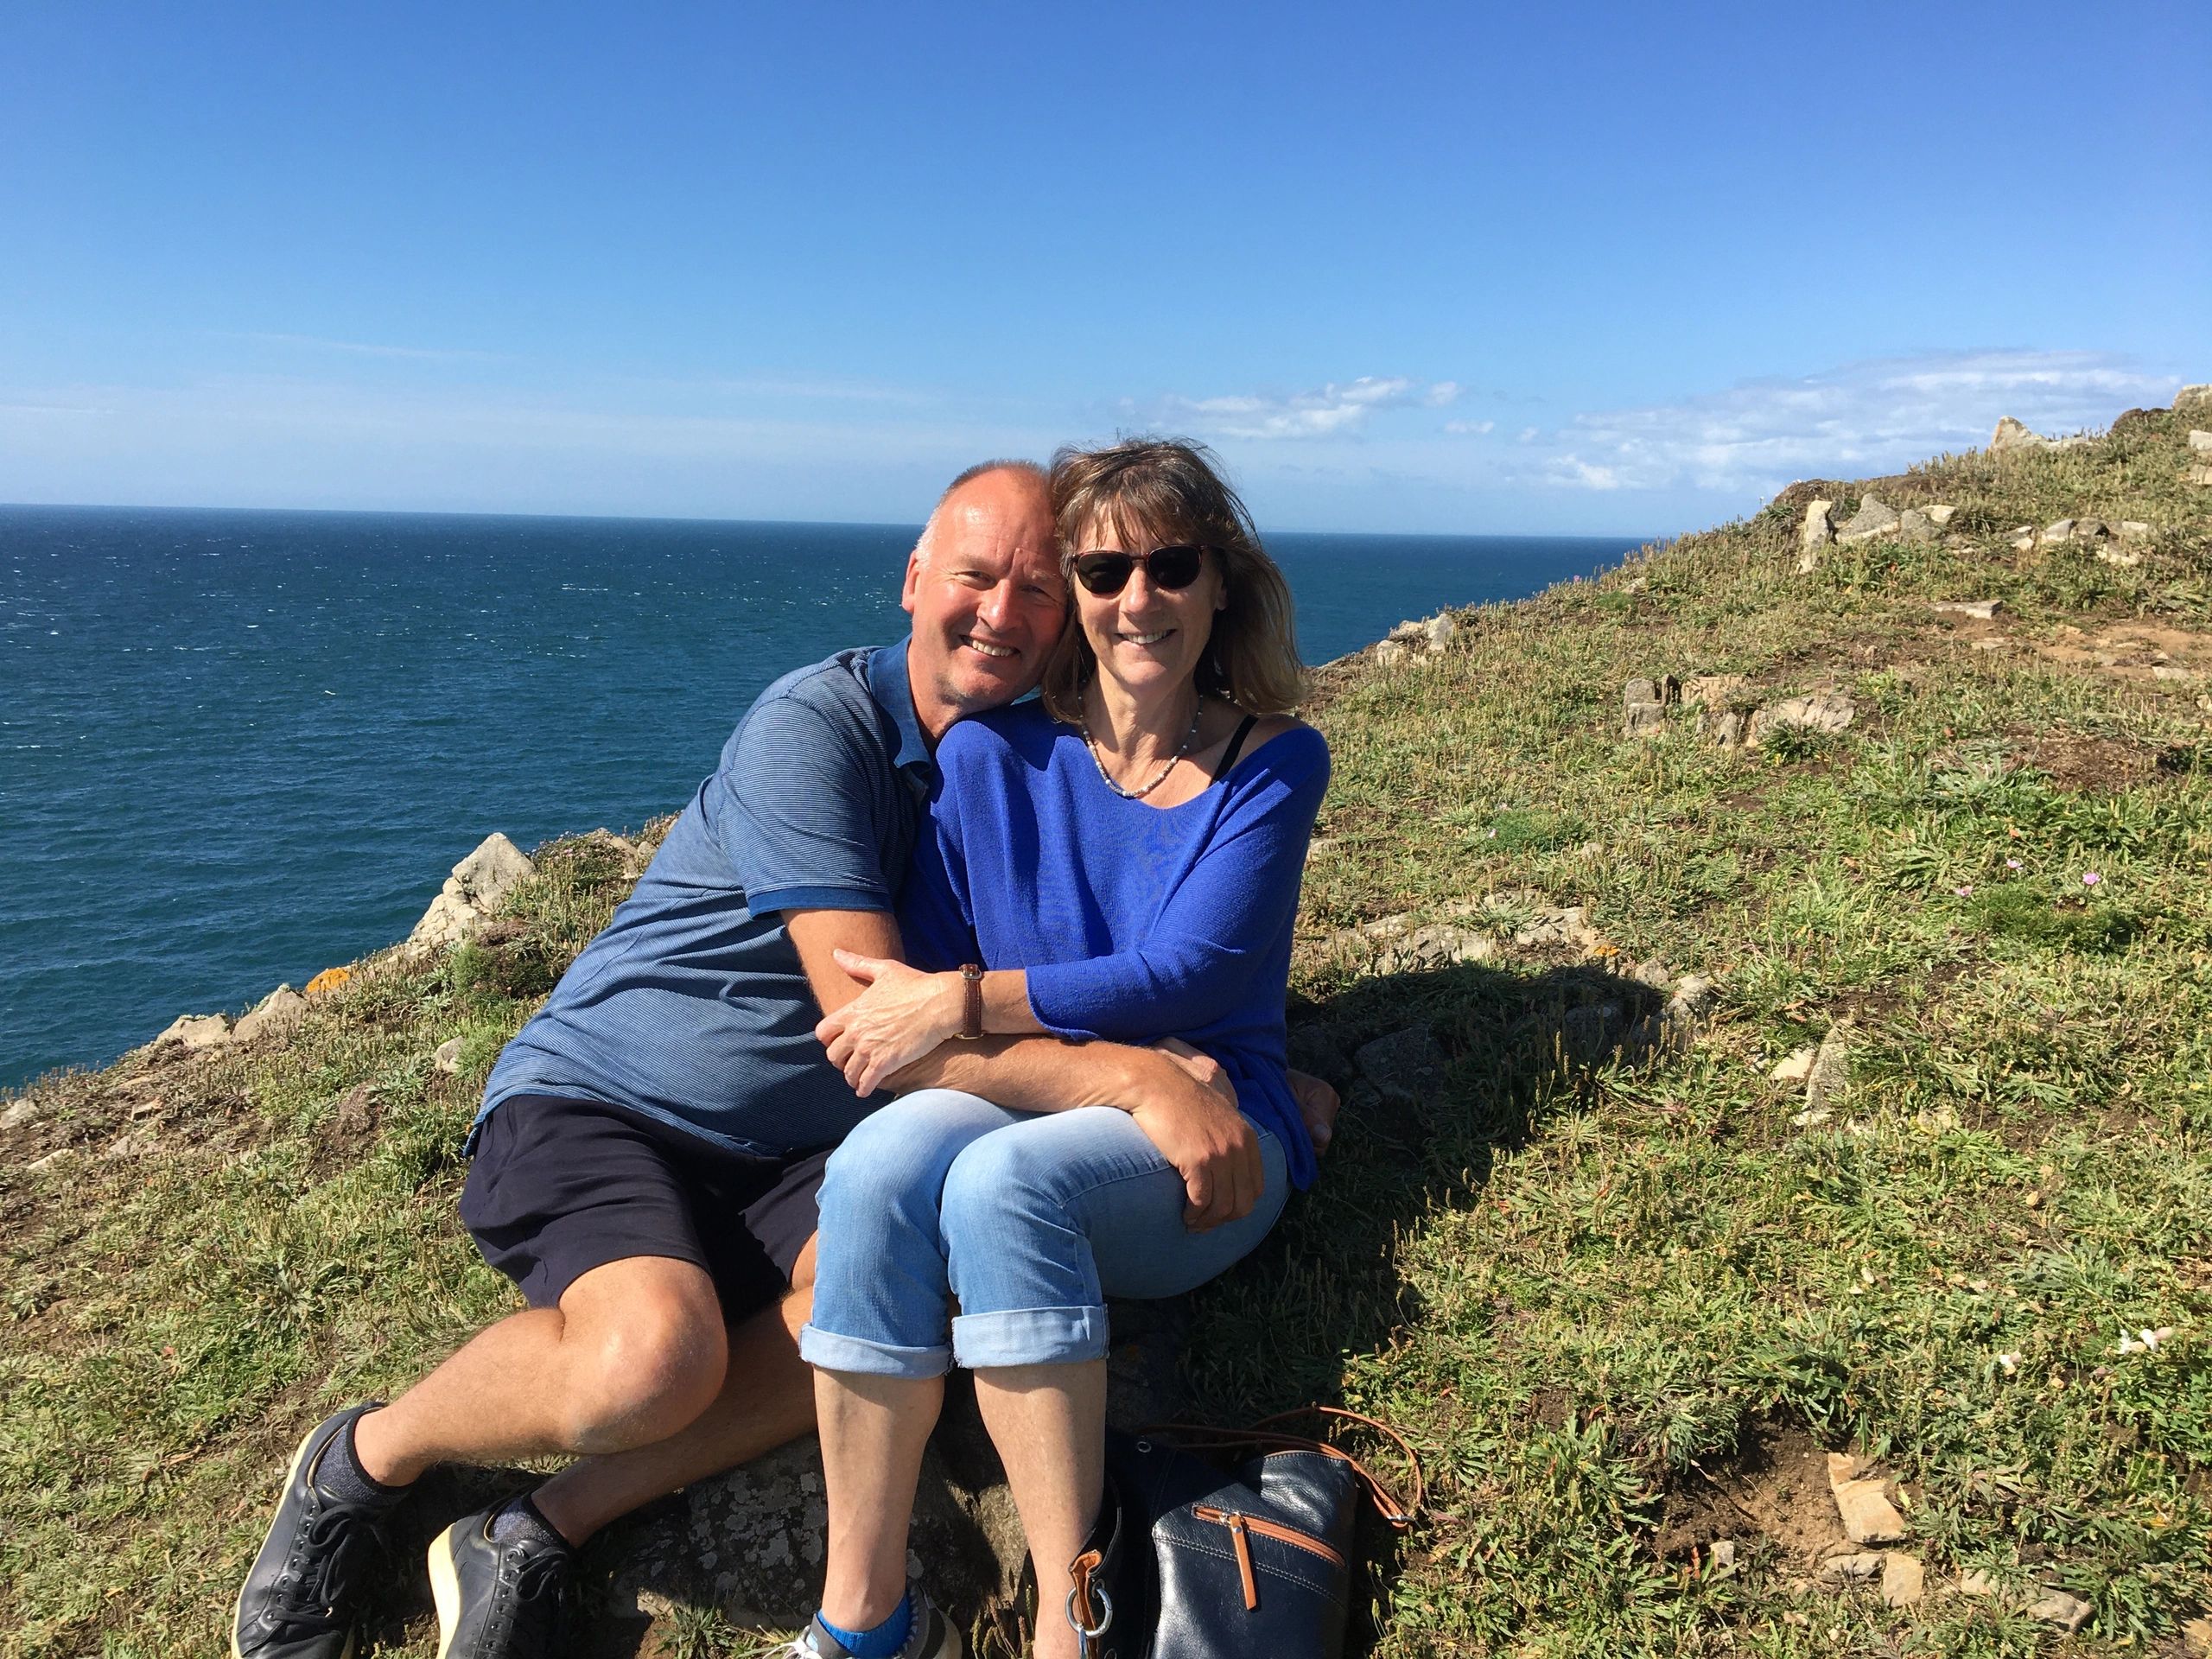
1595 1296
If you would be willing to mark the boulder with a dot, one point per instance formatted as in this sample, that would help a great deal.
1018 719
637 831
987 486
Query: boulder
1440 630
1388 652
1405 1066
447 1058
18 1113
1644 719
2199 475
2194 398
1913 525
2055 1607
1814 535
1873 520
2127 557
1794 1067
1556 924
196 1030
275 1016
1853 1567
2014 435
2201 442
473 892
1940 515
1823 711
2058 530
2134 530
1729 728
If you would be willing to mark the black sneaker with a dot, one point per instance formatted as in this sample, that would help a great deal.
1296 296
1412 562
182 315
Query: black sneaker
300 1600
931 1636
499 1599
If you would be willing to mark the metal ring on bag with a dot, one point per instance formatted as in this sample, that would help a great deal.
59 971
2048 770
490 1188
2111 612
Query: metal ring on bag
1105 1619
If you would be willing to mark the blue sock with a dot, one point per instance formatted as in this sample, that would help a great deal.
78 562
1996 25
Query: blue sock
885 1639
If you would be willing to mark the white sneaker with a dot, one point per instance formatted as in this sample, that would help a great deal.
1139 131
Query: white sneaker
931 1636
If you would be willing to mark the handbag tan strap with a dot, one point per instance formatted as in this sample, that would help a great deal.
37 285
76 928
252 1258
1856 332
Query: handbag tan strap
1387 1504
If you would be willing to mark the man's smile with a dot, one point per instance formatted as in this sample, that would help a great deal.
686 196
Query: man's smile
986 647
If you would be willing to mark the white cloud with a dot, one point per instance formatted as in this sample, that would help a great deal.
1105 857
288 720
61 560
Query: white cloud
358 348
1863 417
1471 428
1333 412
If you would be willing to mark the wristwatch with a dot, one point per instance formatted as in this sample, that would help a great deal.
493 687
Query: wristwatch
971 1019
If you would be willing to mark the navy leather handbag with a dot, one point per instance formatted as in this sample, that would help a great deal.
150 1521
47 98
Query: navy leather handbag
1191 1561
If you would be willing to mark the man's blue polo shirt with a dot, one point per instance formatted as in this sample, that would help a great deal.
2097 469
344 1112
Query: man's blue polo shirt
691 1007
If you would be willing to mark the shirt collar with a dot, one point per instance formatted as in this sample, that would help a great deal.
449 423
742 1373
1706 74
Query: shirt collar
887 685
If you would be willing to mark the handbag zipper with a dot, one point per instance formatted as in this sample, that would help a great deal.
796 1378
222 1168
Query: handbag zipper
1241 1526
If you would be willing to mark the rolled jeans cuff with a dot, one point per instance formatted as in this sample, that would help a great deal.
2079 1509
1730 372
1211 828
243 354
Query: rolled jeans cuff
1030 1336
831 1352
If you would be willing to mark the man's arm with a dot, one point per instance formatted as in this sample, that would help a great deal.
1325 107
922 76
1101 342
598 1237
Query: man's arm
1183 1104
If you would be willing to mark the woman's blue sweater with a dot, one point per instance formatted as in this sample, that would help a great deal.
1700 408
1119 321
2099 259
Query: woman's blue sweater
1135 922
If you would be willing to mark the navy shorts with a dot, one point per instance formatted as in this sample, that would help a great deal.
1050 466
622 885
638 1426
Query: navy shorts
561 1186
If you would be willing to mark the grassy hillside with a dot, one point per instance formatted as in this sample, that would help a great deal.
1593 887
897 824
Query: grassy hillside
1624 1302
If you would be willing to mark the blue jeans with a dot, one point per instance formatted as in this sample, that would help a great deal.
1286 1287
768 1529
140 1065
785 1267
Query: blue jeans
1032 1219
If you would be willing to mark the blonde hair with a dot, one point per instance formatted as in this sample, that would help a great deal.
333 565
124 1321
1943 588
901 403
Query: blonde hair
1165 491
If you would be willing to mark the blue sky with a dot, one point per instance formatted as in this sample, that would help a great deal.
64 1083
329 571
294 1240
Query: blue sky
1613 268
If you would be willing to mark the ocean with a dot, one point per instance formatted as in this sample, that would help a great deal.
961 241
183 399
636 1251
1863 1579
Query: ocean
237 747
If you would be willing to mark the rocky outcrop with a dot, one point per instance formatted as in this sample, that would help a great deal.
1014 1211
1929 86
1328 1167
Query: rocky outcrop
1815 536
2011 435
2194 398
278 1014
193 1031
1823 711
472 893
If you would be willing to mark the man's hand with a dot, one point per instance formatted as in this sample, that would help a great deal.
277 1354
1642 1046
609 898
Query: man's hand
1200 1131
900 1015
1318 1105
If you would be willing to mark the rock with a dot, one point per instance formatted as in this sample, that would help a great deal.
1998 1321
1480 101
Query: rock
58 1155
2134 530
1440 630
1712 690
18 1113
1983 609
2201 442
1940 514
1388 652
1823 711
1730 727
2023 537
473 892
1812 1117
1913 525
1559 925
1830 1069
2199 475
2068 1612
328 979
1694 994
276 1015
2125 557
196 1030
2059 529
1393 945
2015 435
1404 1066
2198 1633
1586 1033
1816 535
1722 1556
1796 1067
1904 1581
1868 1517
448 1057
2193 397
1872 520
1856 1567
1640 690
1644 719
2177 675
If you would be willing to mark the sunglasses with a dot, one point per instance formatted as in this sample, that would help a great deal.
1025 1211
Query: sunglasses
1172 569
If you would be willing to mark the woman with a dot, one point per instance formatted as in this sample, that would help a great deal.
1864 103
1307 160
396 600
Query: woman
1122 860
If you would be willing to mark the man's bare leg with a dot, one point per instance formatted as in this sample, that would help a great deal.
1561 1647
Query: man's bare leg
766 1399
634 1353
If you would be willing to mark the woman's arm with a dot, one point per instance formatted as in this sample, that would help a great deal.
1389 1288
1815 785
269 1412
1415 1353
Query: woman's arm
1193 968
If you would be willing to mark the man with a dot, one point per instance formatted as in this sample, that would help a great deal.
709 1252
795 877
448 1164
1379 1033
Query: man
646 1162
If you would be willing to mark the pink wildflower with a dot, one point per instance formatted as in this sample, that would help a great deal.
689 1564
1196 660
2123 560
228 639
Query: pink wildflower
2091 878
1963 891
2013 864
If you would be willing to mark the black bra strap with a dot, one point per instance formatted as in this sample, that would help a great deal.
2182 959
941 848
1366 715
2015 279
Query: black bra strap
1236 747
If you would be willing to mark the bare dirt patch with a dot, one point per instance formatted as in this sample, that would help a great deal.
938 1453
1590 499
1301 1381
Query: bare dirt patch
1776 1487
2086 764
2131 650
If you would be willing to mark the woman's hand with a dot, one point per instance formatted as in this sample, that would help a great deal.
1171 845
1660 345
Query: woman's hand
1317 1104
1211 1143
902 1015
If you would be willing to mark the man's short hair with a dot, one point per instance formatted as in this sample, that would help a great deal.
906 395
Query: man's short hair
1029 469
